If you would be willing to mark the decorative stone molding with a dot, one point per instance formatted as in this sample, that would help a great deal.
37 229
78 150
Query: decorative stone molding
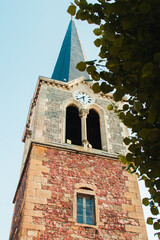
29 133
83 112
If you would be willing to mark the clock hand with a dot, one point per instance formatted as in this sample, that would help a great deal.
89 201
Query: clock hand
81 97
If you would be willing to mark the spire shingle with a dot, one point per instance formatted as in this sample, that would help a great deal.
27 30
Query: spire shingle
70 54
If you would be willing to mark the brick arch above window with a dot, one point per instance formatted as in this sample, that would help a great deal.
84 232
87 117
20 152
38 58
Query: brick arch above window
85 185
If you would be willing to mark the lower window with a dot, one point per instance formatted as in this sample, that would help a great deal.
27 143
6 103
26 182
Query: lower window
85 209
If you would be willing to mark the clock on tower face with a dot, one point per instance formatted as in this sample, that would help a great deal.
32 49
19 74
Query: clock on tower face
83 97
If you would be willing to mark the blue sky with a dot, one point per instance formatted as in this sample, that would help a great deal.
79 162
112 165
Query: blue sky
31 36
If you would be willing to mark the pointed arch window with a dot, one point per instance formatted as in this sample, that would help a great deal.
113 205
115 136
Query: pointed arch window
93 129
73 125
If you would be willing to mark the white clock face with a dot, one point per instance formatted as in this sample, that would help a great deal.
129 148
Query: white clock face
83 97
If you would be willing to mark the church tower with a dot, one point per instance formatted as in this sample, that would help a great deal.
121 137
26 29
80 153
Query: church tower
72 185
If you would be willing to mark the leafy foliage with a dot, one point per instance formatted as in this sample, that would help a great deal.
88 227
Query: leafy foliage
128 38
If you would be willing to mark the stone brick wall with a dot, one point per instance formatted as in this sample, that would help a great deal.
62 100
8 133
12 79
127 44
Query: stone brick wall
49 124
114 128
19 208
48 212
53 114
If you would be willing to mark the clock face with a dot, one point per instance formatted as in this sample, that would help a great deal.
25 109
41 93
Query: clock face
83 97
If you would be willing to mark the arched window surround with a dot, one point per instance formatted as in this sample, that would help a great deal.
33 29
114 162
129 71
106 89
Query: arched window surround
86 190
84 110
73 126
65 104
93 129
102 122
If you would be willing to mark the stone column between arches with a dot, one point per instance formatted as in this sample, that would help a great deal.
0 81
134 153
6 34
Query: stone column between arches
83 115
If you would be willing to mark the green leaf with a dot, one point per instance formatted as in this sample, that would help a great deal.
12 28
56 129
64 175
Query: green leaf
156 225
81 66
95 76
156 57
145 201
97 42
96 87
147 69
91 69
157 182
97 31
148 183
149 220
110 107
83 4
132 148
121 115
129 157
125 107
127 140
123 159
137 106
154 210
118 95
72 10
83 15
76 2
91 62
105 88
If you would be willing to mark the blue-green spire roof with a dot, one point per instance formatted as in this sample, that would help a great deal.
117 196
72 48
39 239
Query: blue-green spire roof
70 54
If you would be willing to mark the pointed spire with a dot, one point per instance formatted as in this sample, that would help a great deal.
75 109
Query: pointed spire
70 54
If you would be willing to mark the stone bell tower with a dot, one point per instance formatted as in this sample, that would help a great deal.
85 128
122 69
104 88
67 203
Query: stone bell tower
72 185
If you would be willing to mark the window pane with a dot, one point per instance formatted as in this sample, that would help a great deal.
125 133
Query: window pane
80 219
79 200
89 202
89 211
80 209
89 220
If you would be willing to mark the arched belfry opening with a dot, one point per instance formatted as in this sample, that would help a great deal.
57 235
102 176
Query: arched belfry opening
93 129
73 125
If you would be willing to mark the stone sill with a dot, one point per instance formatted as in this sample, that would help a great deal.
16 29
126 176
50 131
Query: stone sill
76 148
86 225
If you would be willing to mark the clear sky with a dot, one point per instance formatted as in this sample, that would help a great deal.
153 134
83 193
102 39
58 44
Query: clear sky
31 34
